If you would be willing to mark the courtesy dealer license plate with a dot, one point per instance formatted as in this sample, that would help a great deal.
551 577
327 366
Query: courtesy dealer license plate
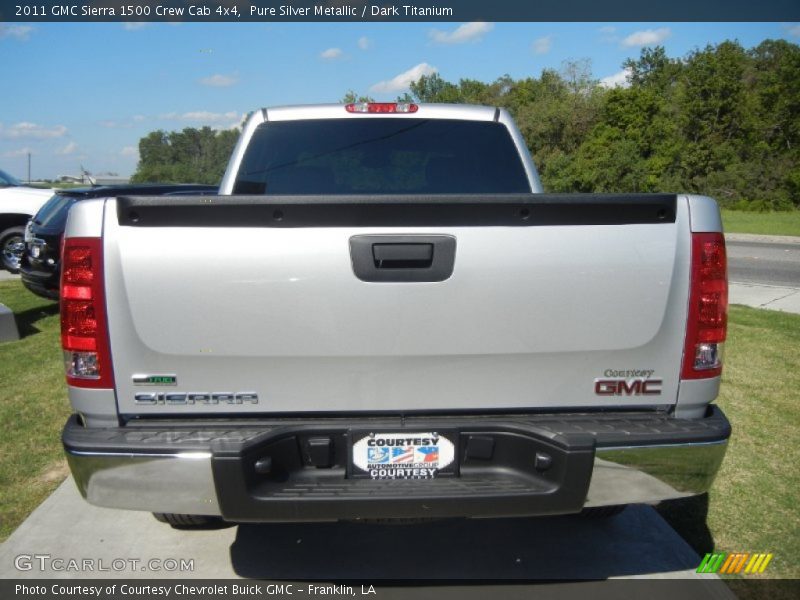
415 455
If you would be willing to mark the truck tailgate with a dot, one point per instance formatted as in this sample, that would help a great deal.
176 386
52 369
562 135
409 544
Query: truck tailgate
252 305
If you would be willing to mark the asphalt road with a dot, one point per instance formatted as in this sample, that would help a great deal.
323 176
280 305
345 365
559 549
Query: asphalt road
764 263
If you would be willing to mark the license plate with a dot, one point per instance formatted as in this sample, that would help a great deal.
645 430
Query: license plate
416 455
35 251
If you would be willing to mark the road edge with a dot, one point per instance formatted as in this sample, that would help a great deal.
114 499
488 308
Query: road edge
757 238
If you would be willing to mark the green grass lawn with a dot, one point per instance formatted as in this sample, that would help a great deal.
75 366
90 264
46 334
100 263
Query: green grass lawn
753 506
33 407
771 223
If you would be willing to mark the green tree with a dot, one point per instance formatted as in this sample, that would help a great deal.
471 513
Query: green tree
188 156
351 97
713 120
653 69
432 88
722 120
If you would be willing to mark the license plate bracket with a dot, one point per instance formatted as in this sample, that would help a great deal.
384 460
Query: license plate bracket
381 455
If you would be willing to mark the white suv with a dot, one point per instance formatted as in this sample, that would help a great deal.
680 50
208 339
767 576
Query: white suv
18 203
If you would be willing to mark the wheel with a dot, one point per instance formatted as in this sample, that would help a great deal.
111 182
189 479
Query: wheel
187 521
12 245
602 512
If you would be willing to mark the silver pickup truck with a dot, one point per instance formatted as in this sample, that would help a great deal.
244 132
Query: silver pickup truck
382 315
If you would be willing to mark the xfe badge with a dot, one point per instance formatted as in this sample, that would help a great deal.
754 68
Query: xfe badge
155 380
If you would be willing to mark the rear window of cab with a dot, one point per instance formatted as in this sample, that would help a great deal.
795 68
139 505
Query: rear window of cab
381 156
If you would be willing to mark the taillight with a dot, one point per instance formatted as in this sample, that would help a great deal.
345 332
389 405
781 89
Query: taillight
84 329
381 107
708 308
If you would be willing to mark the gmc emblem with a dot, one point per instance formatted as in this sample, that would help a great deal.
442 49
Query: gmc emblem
629 387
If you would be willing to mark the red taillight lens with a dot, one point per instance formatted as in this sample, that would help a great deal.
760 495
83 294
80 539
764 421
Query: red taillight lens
381 107
84 331
79 325
708 307
78 265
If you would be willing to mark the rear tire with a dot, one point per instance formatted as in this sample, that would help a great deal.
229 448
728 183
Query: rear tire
188 521
12 245
602 512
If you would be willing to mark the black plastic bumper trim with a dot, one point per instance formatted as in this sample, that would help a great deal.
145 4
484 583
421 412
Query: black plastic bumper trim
507 484
608 430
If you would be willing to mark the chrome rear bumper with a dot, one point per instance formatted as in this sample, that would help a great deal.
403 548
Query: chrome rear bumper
182 480
651 474
179 483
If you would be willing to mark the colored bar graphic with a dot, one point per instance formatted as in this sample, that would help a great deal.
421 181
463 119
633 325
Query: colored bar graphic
704 564
729 564
740 563
718 562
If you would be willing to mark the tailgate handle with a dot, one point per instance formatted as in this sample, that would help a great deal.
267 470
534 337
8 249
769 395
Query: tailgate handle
402 256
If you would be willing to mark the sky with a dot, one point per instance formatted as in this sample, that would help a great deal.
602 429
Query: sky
85 93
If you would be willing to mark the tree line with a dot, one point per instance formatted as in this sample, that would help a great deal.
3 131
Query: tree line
722 121
188 156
